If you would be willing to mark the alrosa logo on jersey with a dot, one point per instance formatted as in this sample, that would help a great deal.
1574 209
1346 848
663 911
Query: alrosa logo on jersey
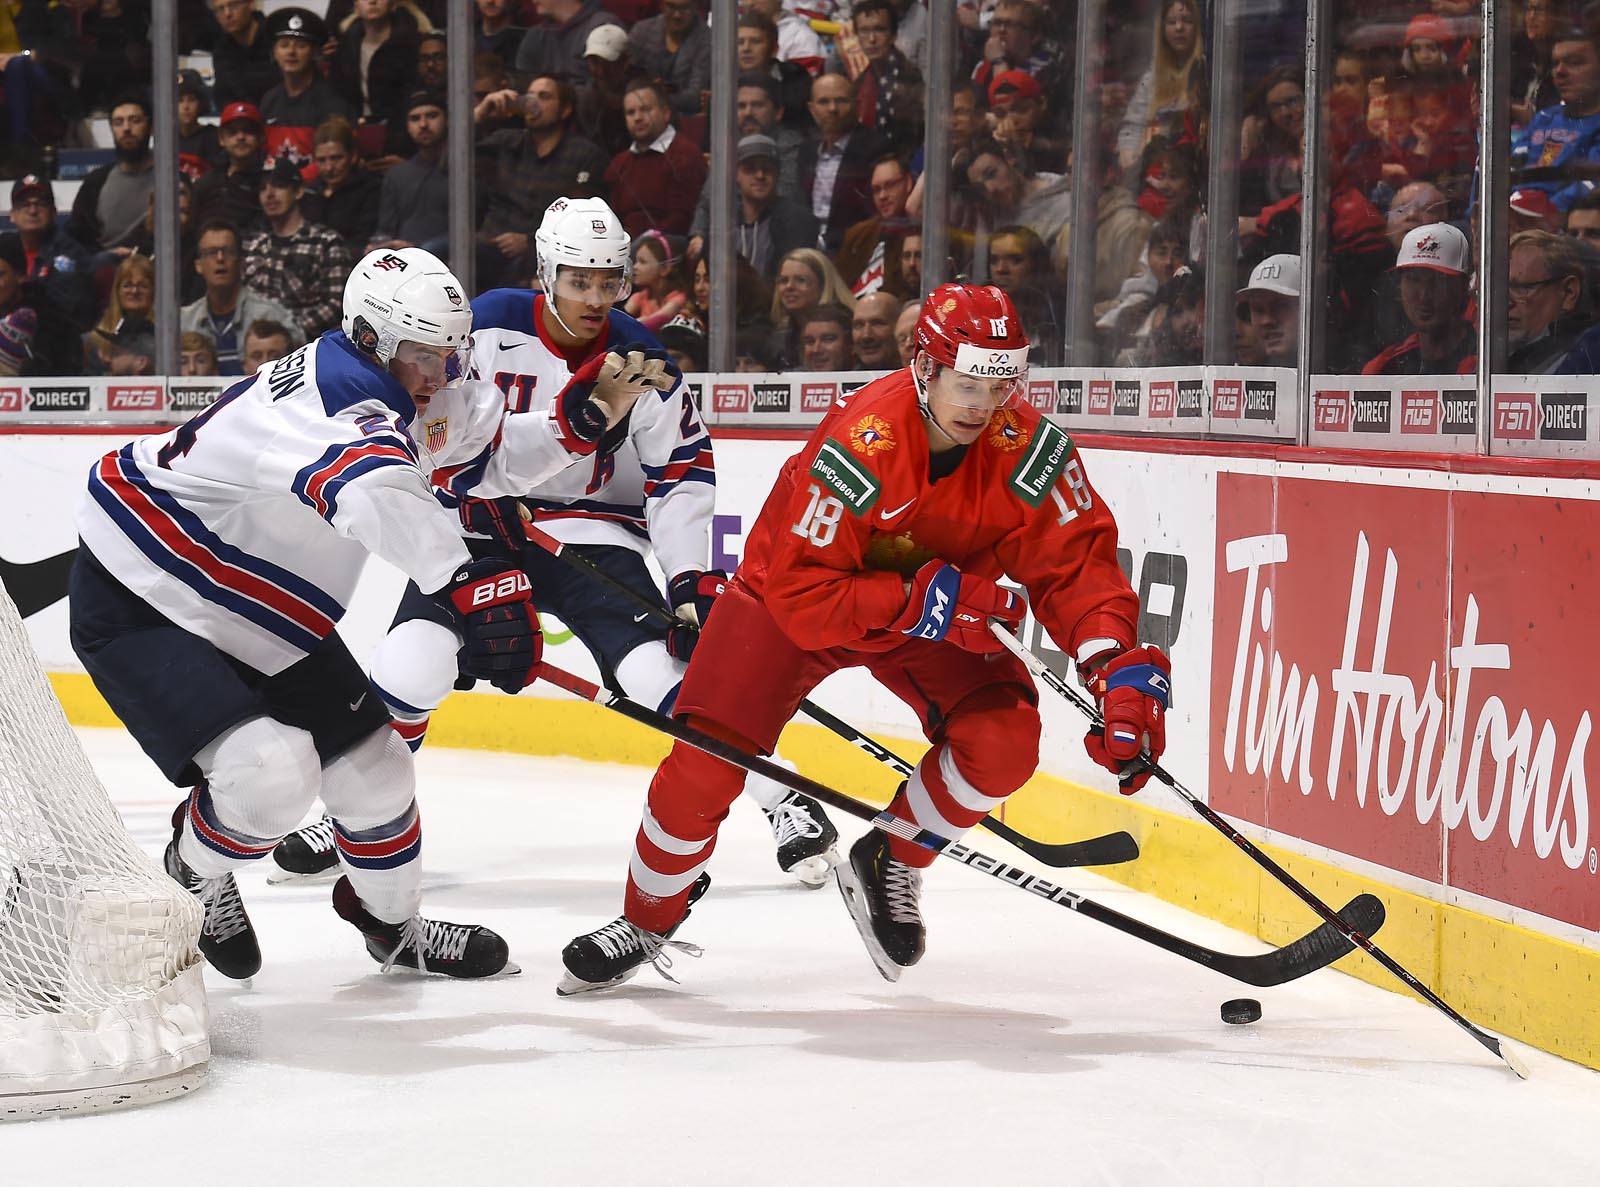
10 399
1036 473
145 397
1005 431
871 435
1330 412
1419 412
1099 397
818 397
836 470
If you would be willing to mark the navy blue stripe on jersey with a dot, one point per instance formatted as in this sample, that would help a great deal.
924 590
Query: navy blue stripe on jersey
460 479
318 484
622 514
504 309
175 540
346 377
628 331
693 462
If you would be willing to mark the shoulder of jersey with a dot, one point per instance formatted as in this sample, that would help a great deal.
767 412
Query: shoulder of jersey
342 378
504 309
626 329
879 426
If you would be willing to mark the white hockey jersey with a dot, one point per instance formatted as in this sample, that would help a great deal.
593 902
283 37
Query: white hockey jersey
652 487
250 524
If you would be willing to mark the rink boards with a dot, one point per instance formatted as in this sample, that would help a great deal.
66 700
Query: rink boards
1382 671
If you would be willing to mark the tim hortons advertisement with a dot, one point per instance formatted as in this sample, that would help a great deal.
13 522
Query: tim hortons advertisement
1390 679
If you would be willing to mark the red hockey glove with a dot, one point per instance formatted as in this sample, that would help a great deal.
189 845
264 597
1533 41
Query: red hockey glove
500 519
494 605
1133 690
691 594
954 606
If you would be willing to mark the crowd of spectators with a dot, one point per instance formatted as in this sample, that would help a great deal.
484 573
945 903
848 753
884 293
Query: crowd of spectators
321 133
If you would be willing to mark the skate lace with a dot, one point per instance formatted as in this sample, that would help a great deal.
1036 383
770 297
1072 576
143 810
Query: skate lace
902 885
319 836
429 937
791 820
621 938
224 909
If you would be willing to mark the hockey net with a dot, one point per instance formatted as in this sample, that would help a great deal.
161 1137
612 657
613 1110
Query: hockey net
101 999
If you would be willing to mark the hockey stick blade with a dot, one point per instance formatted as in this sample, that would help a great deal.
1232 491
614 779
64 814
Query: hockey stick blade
1111 849
1250 969
1312 951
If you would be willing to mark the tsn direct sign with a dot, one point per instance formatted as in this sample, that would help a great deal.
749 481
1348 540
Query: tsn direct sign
1383 686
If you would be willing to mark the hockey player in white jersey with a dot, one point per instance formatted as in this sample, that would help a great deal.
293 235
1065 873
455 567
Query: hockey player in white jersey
217 559
640 477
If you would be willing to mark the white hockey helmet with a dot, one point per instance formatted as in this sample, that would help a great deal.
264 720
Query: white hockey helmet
405 295
582 233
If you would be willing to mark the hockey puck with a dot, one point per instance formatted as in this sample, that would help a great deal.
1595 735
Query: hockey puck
1241 1011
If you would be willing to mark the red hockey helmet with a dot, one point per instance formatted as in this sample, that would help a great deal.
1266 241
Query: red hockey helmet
975 330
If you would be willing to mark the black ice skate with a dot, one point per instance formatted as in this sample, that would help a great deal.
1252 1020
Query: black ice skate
881 894
305 855
228 939
451 949
612 954
806 839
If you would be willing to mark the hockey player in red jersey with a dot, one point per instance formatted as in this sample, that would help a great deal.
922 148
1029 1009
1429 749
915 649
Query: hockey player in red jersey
882 546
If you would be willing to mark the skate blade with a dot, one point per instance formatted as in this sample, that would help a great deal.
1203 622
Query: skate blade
278 876
571 986
511 969
851 891
812 872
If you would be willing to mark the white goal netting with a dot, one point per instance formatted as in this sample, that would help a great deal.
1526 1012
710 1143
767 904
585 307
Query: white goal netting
101 999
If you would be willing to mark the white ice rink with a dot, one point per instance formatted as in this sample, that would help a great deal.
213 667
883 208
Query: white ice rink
1032 1046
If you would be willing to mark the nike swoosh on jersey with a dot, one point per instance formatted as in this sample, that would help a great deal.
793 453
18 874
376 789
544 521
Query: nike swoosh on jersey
641 617
886 516
358 702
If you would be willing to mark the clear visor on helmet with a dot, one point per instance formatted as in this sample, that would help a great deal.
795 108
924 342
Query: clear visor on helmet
592 286
445 366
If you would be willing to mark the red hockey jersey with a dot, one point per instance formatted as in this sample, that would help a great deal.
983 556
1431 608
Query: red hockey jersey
853 515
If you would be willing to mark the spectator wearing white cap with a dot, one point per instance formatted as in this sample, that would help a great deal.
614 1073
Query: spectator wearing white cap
675 46
555 45
1273 296
1433 265
609 60
1545 307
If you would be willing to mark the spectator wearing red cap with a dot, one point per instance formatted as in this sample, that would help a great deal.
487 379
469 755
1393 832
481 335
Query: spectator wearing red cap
302 99
230 193
1018 113
1017 39
52 259
890 95
1434 264
1429 49
1168 88
242 57
1535 210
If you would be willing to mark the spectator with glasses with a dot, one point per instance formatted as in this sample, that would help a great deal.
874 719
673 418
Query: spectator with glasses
228 307
1546 307
52 258
1269 143
890 94
133 298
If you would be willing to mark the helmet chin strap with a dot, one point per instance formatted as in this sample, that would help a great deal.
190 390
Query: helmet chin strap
917 366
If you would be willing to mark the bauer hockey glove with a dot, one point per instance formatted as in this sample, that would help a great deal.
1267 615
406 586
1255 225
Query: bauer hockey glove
493 604
605 389
948 604
1133 689
499 519
691 594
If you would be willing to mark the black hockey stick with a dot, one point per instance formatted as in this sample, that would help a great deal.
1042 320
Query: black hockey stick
1355 935
1305 955
1110 849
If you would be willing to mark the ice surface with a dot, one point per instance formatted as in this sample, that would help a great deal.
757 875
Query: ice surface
1032 1045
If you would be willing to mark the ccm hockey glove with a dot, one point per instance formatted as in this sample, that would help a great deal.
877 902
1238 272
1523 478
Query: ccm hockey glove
948 604
691 594
493 604
1133 690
